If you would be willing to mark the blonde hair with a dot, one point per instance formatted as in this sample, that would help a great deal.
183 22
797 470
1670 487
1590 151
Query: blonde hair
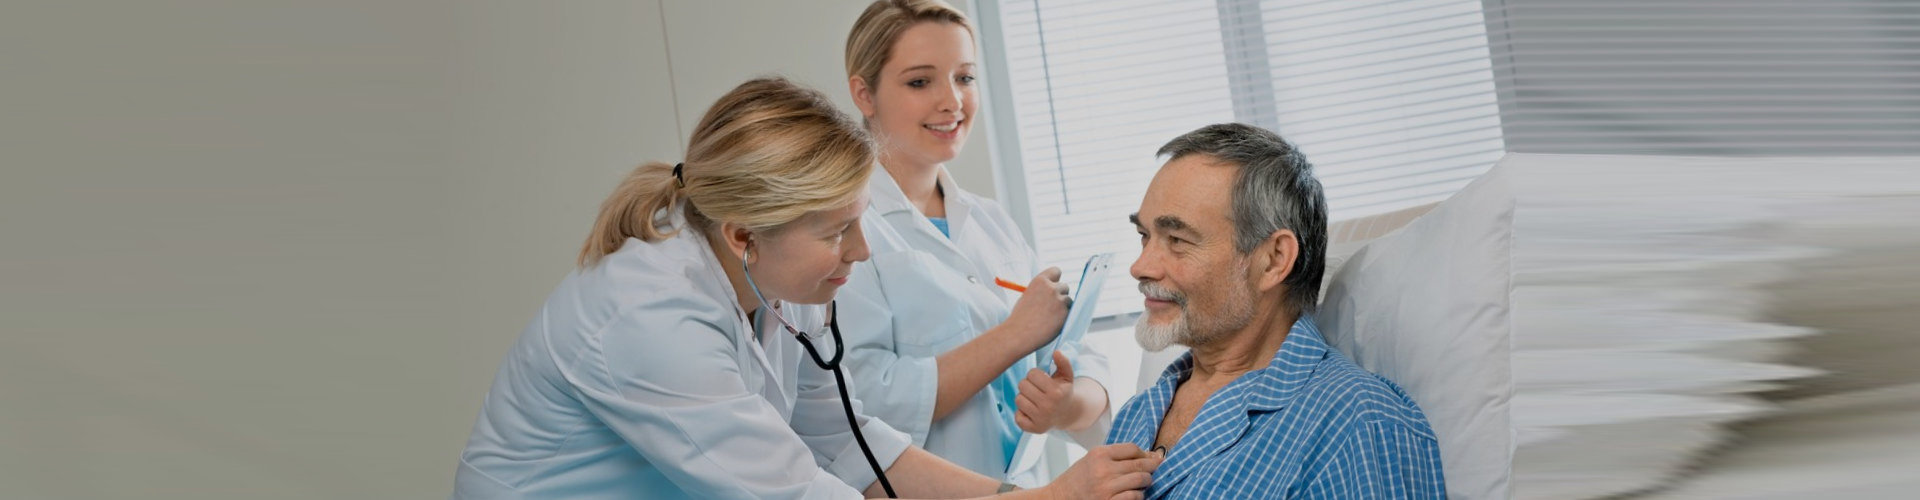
765 154
881 25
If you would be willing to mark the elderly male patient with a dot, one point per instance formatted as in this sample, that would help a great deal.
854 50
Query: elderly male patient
1233 241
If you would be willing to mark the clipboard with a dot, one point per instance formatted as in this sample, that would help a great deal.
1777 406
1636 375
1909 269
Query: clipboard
1086 297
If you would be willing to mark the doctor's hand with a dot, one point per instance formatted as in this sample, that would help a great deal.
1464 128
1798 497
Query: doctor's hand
1046 401
1041 310
1107 472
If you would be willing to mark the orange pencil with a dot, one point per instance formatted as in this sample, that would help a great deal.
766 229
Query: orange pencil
1009 284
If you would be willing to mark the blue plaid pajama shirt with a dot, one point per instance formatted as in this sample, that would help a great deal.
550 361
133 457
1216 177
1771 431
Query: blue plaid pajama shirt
1310 425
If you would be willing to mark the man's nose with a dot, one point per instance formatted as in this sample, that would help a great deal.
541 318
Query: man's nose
1145 267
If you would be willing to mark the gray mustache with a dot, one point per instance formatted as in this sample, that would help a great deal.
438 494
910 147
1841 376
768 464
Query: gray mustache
1156 292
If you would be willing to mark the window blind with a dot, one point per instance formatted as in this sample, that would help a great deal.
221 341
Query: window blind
1096 87
1709 77
1393 101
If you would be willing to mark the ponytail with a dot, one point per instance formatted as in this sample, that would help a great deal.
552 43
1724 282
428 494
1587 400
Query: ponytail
633 211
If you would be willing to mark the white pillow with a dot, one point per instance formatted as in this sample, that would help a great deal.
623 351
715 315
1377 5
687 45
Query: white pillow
1429 308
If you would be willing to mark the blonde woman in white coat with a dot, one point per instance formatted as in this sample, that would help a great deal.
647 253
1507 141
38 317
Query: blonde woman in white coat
941 352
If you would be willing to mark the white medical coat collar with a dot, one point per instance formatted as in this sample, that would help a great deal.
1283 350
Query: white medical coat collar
677 219
889 199
891 202
676 216
756 331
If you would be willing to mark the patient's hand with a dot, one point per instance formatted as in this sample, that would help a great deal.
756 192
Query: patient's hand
1046 401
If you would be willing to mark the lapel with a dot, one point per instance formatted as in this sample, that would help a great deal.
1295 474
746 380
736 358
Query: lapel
912 225
1224 418
1220 424
959 207
1154 403
773 367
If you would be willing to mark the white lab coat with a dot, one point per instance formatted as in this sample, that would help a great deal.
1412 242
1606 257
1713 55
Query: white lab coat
640 378
923 294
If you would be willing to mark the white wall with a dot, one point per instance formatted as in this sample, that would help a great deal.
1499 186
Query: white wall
275 249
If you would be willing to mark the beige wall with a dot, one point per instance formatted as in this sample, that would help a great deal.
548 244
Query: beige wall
275 249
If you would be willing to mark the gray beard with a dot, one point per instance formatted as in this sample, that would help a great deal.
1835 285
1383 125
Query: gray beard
1238 312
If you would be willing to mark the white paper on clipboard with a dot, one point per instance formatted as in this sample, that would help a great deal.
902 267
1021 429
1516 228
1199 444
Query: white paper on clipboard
1086 297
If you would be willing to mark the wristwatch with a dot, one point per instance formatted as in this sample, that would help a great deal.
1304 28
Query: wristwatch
1006 487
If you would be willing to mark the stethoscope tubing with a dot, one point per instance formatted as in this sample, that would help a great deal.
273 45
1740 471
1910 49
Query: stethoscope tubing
833 365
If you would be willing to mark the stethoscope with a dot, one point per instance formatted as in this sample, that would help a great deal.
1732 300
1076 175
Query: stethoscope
833 365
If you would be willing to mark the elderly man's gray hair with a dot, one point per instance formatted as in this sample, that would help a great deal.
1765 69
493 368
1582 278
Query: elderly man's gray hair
1276 190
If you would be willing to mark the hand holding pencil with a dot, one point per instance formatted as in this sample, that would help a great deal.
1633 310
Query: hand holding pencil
1042 309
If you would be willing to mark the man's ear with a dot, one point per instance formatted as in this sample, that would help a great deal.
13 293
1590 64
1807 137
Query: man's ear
1276 257
737 238
862 95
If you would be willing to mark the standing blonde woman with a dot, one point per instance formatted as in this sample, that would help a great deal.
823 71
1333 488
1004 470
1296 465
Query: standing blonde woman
940 351
672 362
